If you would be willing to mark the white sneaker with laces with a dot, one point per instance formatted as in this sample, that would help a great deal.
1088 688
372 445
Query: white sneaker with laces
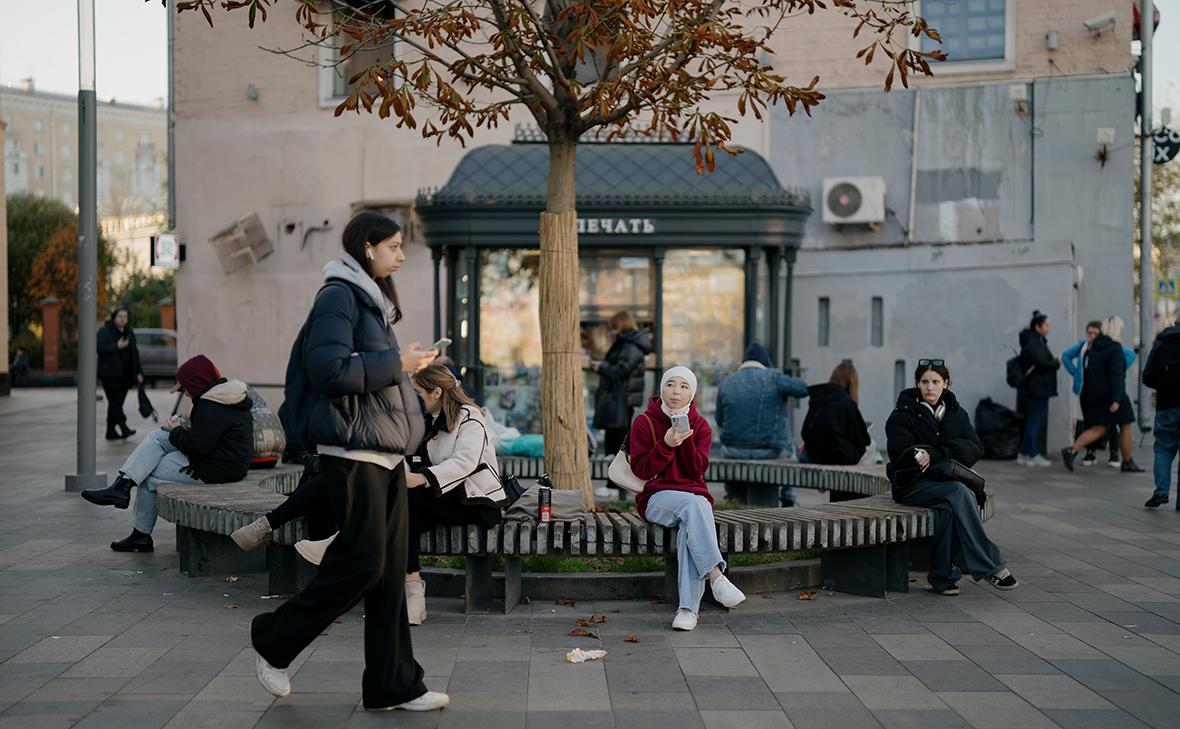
1115 463
685 620
416 601
429 701
274 680
251 536
726 592
313 551
1039 461
1021 459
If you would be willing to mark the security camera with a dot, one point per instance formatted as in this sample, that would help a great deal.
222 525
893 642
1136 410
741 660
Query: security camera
1099 23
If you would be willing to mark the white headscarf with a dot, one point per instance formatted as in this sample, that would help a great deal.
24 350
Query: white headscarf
685 374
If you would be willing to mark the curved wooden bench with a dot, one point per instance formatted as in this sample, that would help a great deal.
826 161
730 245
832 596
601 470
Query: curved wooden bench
863 542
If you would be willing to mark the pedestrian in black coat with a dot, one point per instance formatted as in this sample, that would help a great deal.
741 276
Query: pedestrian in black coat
119 370
1105 403
926 431
620 380
834 431
1040 384
348 395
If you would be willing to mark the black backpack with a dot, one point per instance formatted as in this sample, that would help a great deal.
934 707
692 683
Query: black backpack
1017 374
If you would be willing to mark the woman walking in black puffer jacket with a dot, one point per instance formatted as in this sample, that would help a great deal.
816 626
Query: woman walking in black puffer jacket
620 380
928 431
348 396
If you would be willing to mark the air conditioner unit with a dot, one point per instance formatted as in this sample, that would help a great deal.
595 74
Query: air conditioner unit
854 200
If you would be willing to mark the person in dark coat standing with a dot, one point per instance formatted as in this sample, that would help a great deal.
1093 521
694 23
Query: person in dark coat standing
215 447
1161 372
348 396
119 370
1105 403
926 431
620 380
834 431
1040 384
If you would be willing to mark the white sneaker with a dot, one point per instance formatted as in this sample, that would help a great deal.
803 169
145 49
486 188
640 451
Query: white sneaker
416 601
685 620
429 701
1021 459
313 551
274 680
251 536
1039 461
726 592
1115 463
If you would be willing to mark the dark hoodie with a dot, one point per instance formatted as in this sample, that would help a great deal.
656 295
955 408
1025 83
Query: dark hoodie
1162 370
834 430
1034 353
913 423
219 441
1104 382
666 468
620 380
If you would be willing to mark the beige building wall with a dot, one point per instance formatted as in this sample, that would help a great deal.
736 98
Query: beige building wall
41 152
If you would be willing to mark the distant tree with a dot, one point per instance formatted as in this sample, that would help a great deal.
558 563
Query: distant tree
607 67
55 273
141 292
32 221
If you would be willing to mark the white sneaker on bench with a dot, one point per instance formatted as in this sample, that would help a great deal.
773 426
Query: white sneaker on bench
726 592
313 551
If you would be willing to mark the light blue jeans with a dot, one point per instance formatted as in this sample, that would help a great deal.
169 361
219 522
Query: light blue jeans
696 544
153 462
1167 442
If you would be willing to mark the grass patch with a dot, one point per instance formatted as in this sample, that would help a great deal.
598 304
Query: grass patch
614 564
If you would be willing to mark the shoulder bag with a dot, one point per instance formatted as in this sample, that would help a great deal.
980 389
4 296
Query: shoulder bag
619 472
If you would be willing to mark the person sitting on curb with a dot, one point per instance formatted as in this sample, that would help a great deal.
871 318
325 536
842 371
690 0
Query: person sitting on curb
669 448
927 432
754 415
456 452
215 447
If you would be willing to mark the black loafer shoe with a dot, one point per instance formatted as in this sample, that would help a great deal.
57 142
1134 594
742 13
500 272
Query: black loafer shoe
1156 500
1130 466
137 542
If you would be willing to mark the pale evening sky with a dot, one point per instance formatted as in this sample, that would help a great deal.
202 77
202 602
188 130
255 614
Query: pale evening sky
38 38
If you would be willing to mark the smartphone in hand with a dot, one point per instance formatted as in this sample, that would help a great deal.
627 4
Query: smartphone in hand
680 423
441 344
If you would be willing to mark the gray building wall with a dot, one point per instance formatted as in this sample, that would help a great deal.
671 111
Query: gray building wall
1013 213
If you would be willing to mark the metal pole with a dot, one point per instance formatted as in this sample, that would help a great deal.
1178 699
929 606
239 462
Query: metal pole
1146 278
86 476
171 122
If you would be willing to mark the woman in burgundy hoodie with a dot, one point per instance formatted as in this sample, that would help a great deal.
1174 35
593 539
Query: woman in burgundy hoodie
669 448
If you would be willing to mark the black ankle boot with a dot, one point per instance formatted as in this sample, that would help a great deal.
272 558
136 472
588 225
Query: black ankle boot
137 542
124 431
117 494
112 434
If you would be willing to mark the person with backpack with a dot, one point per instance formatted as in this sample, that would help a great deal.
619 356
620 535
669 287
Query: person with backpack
348 396
1038 384
1162 373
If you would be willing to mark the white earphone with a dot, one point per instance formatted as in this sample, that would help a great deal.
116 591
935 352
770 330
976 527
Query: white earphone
369 253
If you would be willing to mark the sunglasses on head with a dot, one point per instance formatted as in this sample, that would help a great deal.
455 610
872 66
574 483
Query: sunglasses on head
931 363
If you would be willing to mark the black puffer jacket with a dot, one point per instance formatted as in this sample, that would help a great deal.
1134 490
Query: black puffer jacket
219 441
1162 370
1104 383
834 430
620 381
1034 353
345 385
115 363
913 423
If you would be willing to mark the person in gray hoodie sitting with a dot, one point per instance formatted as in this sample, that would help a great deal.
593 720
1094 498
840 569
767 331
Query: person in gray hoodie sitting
215 447
754 416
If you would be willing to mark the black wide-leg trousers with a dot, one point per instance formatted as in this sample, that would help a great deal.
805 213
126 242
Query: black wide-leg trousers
366 560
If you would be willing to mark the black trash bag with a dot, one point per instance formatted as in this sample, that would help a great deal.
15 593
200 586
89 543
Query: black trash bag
146 409
999 428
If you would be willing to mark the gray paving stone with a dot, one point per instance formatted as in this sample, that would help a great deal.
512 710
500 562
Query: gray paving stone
172 677
953 676
141 712
311 711
745 719
987 710
866 661
1157 709
908 719
1053 646
682 719
895 692
927 647
1080 719
550 677
968 634
639 699
808 710
715 662
1107 675
572 719
1054 692
789 664
61 649
715 693
1149 660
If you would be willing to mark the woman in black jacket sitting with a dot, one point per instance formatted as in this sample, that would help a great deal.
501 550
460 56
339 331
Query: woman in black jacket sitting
348 396
834 431
927 431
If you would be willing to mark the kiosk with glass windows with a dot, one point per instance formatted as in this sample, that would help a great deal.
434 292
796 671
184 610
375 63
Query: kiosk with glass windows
703 262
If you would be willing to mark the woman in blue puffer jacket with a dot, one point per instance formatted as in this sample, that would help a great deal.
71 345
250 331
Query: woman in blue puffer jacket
348 396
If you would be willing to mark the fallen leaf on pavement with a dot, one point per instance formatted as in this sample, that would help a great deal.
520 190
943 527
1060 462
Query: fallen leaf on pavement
591 621
564 601
231 579
582 633
228 606
807 595
631 638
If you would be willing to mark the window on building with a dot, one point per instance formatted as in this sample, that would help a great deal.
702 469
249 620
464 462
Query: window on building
336 71
40 172
119 158
65 128
65 151
899 382
67 175
825 306
38 148
971 30
878 332
145 139
38 125
67 198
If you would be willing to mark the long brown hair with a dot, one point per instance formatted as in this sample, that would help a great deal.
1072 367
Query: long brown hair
453 398
845 376
622 321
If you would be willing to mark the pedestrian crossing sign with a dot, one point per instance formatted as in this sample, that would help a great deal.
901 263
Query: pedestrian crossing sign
1168 288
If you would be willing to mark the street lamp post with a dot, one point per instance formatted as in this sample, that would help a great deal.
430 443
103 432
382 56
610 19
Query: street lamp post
1146 278
86 476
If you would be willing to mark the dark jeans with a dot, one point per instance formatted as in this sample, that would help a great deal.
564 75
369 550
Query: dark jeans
1038 413
115 392
957 530
428 511
367 560
612 440
309 501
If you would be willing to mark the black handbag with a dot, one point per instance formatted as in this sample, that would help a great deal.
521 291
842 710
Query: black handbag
146 409
952 470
